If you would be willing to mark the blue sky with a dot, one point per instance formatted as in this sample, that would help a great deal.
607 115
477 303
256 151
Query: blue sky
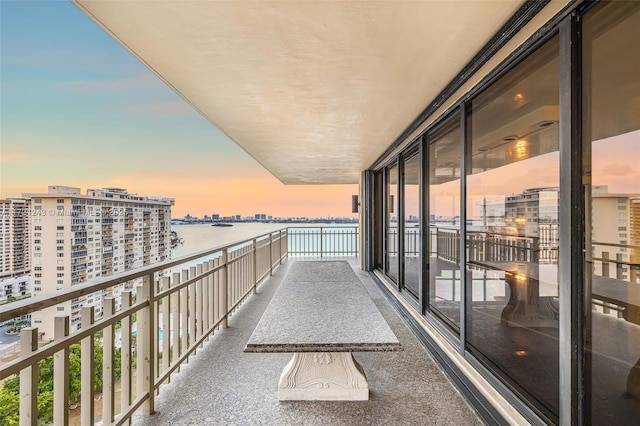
78 109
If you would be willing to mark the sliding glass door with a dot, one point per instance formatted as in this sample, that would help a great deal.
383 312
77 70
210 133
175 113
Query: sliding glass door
512 215
391 223
611 135
444 222
411 223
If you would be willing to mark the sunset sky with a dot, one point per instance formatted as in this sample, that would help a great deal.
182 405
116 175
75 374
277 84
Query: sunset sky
77 109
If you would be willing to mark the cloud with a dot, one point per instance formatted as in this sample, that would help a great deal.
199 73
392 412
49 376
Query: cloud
17 189
140 81
177 108
616 169
21 156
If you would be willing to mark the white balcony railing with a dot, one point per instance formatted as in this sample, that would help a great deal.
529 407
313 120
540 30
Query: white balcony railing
165 322
324 241
154 330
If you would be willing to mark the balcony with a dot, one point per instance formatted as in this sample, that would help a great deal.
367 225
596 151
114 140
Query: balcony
204 313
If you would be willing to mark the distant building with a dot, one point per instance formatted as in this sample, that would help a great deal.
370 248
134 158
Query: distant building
78 237
260 216
215 216
615 231
15 267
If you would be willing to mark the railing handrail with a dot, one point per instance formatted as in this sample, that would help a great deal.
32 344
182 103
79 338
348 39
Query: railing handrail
32 304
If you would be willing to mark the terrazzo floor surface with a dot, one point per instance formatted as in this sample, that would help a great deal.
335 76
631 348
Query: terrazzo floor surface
222 385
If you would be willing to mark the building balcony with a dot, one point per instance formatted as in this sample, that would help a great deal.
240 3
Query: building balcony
204 314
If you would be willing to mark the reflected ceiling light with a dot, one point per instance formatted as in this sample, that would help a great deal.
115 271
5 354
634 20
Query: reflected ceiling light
521 148
519 98
521 353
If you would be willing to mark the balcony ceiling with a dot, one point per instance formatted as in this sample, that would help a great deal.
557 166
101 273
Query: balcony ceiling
314 91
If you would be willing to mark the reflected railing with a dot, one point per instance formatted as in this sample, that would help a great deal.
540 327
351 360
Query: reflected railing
616 266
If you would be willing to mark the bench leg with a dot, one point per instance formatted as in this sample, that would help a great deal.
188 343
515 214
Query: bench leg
323 376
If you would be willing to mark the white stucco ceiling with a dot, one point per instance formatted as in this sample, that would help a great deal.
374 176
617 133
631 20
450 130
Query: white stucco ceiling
314 91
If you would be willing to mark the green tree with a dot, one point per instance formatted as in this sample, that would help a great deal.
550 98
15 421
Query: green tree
9 394
9 407
15 325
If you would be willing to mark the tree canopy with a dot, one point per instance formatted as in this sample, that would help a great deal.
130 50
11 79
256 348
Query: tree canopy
10 392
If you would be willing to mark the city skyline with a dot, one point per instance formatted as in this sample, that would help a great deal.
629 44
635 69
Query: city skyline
79 110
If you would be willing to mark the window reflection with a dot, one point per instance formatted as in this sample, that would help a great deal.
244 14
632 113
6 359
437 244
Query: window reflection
378 218
611 95
444 218
392 223
512 228
412 265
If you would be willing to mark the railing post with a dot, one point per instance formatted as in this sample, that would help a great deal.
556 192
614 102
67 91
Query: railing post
206 321
212 294
108 374
166 326
321 242
184 316
605 264
61 374
270 254
193 296
198 303
286 242
87 349
175 319
125 360
224 289
619 266
280 247
28 379
145 348
254 264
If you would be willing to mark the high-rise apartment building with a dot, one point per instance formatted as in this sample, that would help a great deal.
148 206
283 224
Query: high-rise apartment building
533 213
616 234
78 237
14 247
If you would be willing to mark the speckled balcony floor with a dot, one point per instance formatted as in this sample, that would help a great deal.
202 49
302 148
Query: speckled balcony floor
222 385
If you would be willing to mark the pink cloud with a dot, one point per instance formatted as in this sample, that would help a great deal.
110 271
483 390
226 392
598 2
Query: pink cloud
177 108
141 81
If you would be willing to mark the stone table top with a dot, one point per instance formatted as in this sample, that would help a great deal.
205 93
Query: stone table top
321 306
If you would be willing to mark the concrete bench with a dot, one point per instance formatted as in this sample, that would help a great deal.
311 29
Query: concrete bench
322 313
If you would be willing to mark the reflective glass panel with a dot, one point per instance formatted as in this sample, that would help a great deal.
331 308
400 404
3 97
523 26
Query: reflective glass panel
512 228
444 222
412 265
611 131
392 223
378 219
